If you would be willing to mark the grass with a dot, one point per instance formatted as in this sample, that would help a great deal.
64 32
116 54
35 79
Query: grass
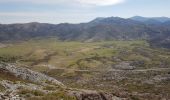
39 53
62 54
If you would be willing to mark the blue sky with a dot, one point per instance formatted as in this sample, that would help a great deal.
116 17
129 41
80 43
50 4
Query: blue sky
76 11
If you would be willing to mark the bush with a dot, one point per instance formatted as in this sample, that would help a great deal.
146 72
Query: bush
54 96
33 92
2 88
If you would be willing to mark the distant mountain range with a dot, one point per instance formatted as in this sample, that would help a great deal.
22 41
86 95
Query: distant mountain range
147 19
156 30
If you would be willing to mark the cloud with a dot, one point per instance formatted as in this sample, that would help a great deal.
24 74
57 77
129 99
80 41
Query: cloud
67 2
100 2
34 1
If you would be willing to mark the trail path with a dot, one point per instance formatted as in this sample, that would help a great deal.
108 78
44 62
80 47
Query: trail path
111 70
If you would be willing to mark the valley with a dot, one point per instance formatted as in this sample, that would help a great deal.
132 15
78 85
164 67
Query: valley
126 69
84 50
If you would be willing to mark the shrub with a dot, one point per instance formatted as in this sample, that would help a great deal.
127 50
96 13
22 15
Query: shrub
33 92
2 88
61 95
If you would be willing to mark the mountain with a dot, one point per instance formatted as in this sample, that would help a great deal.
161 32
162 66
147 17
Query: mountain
167 23
139 18
99 29
145 19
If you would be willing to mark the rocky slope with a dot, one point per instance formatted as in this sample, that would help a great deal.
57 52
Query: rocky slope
27 74
34 84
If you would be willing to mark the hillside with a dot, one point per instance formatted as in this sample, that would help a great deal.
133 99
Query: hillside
24 84
99 29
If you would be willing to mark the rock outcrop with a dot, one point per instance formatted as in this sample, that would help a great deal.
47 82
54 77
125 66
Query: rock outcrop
10 97
93 95
12 88
124 66
27 74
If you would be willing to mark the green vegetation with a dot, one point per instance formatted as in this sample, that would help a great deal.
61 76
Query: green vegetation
52 88
28 92
2 88
8 76
61 95
77 55
42 54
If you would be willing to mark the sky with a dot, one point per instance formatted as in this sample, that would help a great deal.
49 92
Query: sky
77 11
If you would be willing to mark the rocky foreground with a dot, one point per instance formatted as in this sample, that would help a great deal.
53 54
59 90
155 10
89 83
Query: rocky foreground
33 85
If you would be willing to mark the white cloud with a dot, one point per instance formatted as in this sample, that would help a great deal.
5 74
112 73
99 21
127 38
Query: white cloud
83 2
100 2
34 1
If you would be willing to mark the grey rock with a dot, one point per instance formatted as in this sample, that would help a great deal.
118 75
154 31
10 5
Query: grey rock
93 95
124 66
27 74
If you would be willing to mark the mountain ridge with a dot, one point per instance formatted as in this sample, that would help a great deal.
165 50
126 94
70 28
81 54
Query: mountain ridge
99 29
143 19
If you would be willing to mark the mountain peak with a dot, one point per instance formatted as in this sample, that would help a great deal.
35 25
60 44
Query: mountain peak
139 18
107 20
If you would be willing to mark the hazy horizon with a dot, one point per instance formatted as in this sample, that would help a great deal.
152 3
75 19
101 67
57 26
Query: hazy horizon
78 11
82 21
